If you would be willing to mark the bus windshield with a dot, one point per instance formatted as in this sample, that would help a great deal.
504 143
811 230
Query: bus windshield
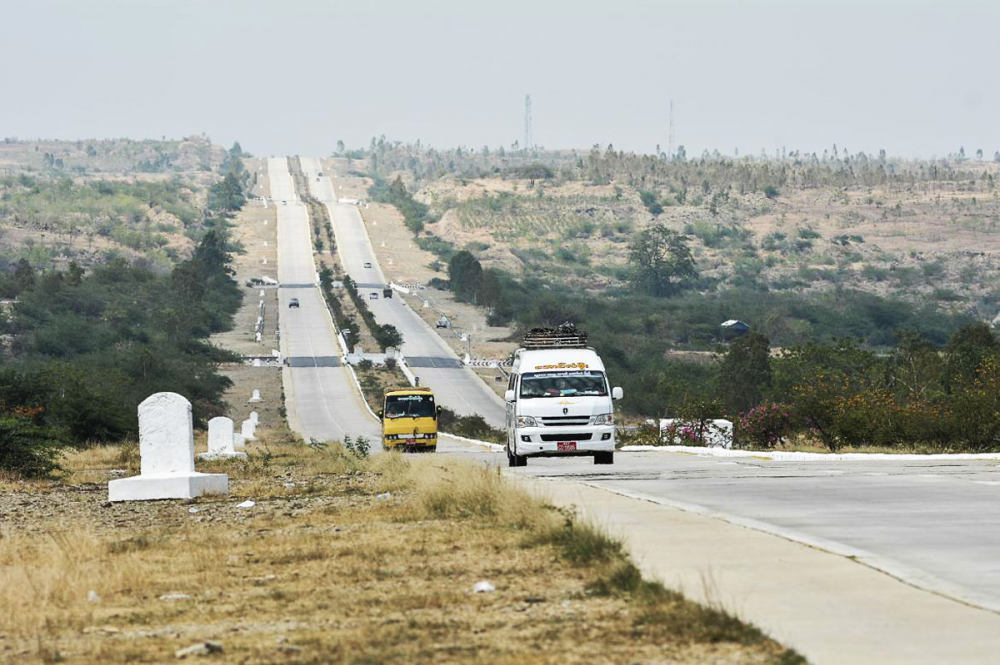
409 406
563 384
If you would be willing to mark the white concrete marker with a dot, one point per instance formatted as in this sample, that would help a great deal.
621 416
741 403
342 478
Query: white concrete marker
265 260
265 243
220 440
255 417
247 429
255 397
256 361
166 449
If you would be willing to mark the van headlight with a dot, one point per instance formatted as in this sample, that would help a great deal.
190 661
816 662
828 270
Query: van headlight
526 421
604 419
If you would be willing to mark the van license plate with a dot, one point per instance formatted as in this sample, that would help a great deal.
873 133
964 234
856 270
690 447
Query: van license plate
566 446
411 442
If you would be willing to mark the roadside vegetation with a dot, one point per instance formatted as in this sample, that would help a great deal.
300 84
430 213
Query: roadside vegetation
343 558
82 345
652 253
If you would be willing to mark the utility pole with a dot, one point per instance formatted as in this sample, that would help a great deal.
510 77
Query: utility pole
527 123
670 139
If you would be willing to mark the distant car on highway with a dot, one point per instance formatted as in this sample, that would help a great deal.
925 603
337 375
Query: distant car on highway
443 322
373 296
368 264
294 302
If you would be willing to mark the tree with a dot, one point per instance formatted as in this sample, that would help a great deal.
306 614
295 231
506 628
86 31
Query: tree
661 262
651 202
466 275
967 350
227 194
745 372
341 148
388 335
24 276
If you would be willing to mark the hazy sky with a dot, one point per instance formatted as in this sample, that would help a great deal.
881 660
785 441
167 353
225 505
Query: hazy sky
293 76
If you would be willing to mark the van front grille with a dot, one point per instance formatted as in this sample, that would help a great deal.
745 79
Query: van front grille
566 437
559 421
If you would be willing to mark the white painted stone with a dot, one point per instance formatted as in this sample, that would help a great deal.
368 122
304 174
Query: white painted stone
256 361
239 443
257 338
166 449
247 429
255 397
220 440
265 260
262 293
255 417
718 435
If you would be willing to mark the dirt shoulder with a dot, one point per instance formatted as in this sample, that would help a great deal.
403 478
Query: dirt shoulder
340 559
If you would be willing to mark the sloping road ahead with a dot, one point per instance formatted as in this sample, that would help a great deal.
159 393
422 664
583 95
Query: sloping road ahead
430 358
320 396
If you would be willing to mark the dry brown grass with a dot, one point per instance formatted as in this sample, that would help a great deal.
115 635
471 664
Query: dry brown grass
323 571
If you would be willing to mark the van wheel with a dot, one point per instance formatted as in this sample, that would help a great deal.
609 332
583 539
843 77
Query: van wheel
604 458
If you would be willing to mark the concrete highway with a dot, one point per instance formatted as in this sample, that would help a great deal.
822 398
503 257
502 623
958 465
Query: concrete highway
320 397
429 357
935 524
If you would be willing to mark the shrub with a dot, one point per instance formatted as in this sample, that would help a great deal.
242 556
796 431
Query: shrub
763 427
28 449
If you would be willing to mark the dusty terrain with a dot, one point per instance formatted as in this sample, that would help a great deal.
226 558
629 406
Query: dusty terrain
932 241
327 567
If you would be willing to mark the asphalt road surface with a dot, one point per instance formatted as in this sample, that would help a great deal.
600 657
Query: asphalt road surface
430 358
934 524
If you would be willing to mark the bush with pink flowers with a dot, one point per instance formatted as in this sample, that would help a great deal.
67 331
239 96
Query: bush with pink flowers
763 427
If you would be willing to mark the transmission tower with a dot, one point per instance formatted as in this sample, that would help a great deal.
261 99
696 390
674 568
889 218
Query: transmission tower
670 139
527 122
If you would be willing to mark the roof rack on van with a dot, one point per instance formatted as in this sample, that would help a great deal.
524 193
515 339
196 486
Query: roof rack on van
566 336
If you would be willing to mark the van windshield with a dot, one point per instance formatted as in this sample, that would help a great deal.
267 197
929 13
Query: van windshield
563 384
409 406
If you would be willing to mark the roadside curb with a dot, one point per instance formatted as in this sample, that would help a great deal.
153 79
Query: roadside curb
492 447
790 456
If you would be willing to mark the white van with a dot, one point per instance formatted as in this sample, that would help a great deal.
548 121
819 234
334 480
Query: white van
559 403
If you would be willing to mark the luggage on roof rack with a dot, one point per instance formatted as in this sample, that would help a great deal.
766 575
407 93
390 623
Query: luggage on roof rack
566 336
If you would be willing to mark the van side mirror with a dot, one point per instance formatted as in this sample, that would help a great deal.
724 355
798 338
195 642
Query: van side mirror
381 414
617 393
437 413
508 396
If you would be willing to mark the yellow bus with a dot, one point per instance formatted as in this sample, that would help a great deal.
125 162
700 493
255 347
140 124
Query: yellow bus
409 419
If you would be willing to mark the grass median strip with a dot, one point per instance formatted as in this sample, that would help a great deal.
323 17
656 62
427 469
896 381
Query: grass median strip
342 559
